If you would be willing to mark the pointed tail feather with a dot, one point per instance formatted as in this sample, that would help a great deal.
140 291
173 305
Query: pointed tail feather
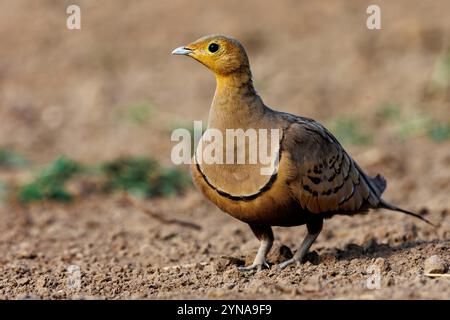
380 182
386 205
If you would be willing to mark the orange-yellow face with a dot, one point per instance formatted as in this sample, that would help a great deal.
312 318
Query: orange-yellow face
221 54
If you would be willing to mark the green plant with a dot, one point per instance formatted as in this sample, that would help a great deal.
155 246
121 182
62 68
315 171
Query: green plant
440 78
138 113
143 177
439 131
347 130
389 111
3 191
413 124
10 159
139 176
421 124
50 183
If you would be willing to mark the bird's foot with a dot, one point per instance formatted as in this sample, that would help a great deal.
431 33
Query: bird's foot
258 266
283 265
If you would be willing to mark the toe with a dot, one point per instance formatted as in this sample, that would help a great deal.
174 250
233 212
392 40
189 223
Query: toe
255 266
283 265
248 268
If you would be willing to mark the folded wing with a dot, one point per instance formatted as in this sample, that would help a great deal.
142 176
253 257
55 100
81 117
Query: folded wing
328 178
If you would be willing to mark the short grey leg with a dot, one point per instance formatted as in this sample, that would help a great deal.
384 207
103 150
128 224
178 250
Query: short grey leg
265 235
314 227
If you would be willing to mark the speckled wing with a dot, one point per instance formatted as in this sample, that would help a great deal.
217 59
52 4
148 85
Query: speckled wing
328 179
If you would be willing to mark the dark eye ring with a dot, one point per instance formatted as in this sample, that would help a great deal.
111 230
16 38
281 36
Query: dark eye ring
213 47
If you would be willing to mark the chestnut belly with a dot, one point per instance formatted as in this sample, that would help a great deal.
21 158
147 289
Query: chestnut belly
273 207
263 213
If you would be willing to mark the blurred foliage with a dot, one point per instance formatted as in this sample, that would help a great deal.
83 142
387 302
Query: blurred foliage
3 191
439 131
50 183
144 177
10 159
347 131
440 78
138 113
389 111
412 125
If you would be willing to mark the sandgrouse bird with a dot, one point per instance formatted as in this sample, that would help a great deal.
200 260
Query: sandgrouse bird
315 177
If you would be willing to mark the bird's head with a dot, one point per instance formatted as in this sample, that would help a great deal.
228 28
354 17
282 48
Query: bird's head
221 54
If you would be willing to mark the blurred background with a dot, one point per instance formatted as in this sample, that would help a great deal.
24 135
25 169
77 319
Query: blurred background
86 112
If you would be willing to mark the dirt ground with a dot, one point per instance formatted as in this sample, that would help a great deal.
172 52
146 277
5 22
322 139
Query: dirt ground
68 92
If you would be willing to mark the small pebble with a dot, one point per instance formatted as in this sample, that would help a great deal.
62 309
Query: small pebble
435 264
23 281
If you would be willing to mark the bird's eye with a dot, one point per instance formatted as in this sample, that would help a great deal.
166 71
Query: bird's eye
213 47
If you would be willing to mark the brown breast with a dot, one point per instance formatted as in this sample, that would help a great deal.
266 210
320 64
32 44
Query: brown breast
272 205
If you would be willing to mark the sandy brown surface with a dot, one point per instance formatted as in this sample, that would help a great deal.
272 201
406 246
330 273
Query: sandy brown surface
123 253
66 92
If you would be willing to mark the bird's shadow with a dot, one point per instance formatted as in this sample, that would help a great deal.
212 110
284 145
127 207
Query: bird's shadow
371 249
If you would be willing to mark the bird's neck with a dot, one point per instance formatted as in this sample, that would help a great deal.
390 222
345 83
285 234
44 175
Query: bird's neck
236 84
235 100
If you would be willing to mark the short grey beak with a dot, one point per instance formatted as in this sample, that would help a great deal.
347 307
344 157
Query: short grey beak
182 51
